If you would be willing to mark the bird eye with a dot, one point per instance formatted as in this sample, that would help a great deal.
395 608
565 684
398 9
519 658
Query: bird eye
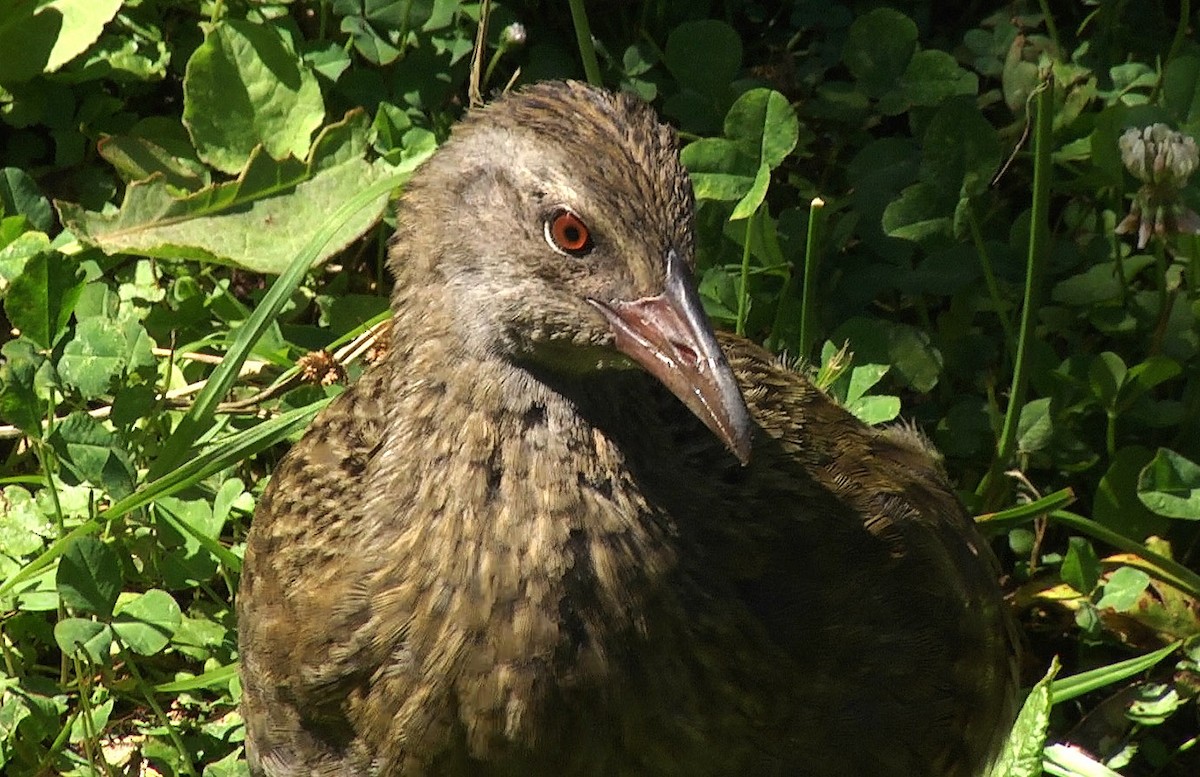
567 234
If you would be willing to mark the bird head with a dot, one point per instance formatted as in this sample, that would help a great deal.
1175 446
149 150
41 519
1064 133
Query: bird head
558 221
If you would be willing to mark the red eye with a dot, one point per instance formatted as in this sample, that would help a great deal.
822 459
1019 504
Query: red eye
567 233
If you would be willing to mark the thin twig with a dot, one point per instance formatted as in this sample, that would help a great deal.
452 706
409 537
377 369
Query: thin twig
474 91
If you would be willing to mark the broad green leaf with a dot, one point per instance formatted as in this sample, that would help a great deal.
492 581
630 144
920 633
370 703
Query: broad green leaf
753 198
155 146
1115 503
117 56
959 151
92 638
94 454
1155 703
1081 566
147 622
918 213
91 723
1123 589
244 88
42 36
17 253
20 195
23 528
1181 90
1035 430
719 169
89 576
1107 374
190 531
863 378
1170 485
878 49
378 27
704 55
95 356
1021 755
21 402
763 121
40 301
1148 374
1100 282
258 221
909 351
875 410
932 76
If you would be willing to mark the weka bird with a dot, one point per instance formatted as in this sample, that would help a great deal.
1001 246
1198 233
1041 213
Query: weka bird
513 548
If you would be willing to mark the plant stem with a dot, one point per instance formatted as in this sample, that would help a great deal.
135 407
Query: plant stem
812 242
743 308
1193 264
1051 28
587 49
989 278
1166 299
148 692
991 487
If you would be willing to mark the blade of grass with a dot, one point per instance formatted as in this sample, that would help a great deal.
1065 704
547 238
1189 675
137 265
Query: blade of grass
1076 685
209 679
1022 514
223 454
199 417
587 49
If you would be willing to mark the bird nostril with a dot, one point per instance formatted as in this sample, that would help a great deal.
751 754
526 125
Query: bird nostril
686 353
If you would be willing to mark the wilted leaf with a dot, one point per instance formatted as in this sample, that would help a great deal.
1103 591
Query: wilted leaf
258 221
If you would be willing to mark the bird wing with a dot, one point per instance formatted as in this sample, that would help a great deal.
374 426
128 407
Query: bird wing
297 680
851 549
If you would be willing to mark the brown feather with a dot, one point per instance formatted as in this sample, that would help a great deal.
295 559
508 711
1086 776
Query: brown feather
504 551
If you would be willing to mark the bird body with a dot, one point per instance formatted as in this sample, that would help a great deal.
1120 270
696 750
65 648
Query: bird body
565 530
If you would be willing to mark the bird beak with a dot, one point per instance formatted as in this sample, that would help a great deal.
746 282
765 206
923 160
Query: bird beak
670 337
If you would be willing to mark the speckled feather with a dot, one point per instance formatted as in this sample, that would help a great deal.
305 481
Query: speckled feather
487 559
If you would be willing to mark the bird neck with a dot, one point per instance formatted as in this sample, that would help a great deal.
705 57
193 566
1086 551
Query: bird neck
530 501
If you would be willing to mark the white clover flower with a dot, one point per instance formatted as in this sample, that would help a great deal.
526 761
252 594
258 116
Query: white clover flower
513 35
1163 160
1157 154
